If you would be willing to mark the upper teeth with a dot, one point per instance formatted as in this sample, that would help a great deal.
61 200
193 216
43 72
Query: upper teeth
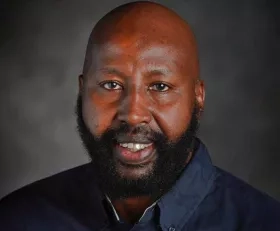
134 146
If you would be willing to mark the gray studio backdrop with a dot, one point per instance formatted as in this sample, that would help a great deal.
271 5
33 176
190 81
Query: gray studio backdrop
41 54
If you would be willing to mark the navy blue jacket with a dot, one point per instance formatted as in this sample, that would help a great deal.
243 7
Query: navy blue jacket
205 198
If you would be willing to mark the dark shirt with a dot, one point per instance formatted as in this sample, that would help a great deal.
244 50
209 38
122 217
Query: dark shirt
205 198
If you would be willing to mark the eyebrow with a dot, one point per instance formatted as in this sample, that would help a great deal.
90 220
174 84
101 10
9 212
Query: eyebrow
150 70
112 71
159 71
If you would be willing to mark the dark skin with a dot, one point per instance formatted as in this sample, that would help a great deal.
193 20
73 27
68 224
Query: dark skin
144 69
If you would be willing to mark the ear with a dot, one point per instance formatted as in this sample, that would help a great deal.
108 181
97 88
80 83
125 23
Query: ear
200 93
81 84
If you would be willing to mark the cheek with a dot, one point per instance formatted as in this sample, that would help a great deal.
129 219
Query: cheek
176 122
174 119
97 114
163 100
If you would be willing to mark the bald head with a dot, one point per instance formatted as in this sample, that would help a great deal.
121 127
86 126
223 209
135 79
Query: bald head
142 24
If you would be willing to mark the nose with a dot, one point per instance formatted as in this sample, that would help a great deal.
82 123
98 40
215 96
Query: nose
133 108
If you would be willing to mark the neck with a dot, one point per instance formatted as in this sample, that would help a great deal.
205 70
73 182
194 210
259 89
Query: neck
131 209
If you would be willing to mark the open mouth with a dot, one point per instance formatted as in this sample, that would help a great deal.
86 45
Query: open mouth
134 147
135 153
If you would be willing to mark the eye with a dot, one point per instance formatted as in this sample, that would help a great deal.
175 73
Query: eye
111 85
162 87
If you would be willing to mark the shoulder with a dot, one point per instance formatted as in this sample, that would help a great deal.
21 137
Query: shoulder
48 199
233 185
249 203
52 186
232 204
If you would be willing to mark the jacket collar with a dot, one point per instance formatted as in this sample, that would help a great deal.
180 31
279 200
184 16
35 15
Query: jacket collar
177 206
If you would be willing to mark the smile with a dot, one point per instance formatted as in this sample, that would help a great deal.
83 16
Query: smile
135 153
135 147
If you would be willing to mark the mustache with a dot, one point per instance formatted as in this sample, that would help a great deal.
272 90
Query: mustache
126 133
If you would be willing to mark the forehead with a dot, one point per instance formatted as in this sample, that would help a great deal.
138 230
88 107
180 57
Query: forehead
129 51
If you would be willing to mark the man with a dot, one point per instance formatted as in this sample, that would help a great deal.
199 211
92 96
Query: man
138 109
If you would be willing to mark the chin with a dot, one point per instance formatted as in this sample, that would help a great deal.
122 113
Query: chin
134 172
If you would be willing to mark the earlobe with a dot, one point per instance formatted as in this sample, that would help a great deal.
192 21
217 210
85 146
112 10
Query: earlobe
200 93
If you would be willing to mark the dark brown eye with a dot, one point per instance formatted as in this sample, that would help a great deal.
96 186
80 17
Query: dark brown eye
111 85
159 87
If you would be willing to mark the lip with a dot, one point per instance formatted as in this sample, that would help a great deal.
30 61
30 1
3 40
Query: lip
141 157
